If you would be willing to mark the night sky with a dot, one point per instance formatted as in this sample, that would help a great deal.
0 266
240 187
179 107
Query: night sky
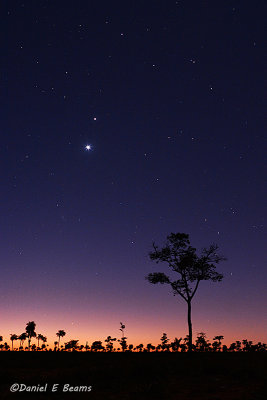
168 95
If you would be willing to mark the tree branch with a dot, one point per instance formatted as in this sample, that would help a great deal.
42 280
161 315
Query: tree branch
194 291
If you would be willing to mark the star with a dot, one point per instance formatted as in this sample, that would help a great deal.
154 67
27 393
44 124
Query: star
88 147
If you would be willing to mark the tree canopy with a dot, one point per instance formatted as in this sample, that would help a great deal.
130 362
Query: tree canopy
182 258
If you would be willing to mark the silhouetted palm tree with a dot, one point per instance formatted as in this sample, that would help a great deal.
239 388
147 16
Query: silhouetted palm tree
42 338
30 331
39 336
12 338
22 339
60 334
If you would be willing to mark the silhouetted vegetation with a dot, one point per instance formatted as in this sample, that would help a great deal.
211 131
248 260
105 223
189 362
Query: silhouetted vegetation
166 370
182 259
30 332
202 344
171 369
60 334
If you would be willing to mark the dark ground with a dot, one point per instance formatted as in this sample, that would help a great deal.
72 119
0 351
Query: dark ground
159 376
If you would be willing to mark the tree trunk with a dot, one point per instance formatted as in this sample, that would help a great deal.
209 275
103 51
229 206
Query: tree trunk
189 326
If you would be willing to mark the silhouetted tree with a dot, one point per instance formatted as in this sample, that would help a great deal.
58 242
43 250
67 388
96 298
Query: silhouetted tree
123 341
60 334
39 337
247 345
201 342
42 338
183 347
97 346
217 343
164 342
12 338
261 346
140 347
22 339
122 328
232 347
191 268
71 345
150 347
175 345
158 347
30 331
6 346
238 345
109 346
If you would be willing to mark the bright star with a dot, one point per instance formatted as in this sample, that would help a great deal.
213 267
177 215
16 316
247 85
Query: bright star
88 147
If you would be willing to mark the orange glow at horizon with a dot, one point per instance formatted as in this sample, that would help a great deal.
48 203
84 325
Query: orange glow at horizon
144 330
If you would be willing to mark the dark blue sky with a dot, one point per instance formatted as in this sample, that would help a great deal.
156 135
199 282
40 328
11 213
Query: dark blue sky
170 96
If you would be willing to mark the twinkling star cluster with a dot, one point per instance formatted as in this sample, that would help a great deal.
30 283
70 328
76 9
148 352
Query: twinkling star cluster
123 122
